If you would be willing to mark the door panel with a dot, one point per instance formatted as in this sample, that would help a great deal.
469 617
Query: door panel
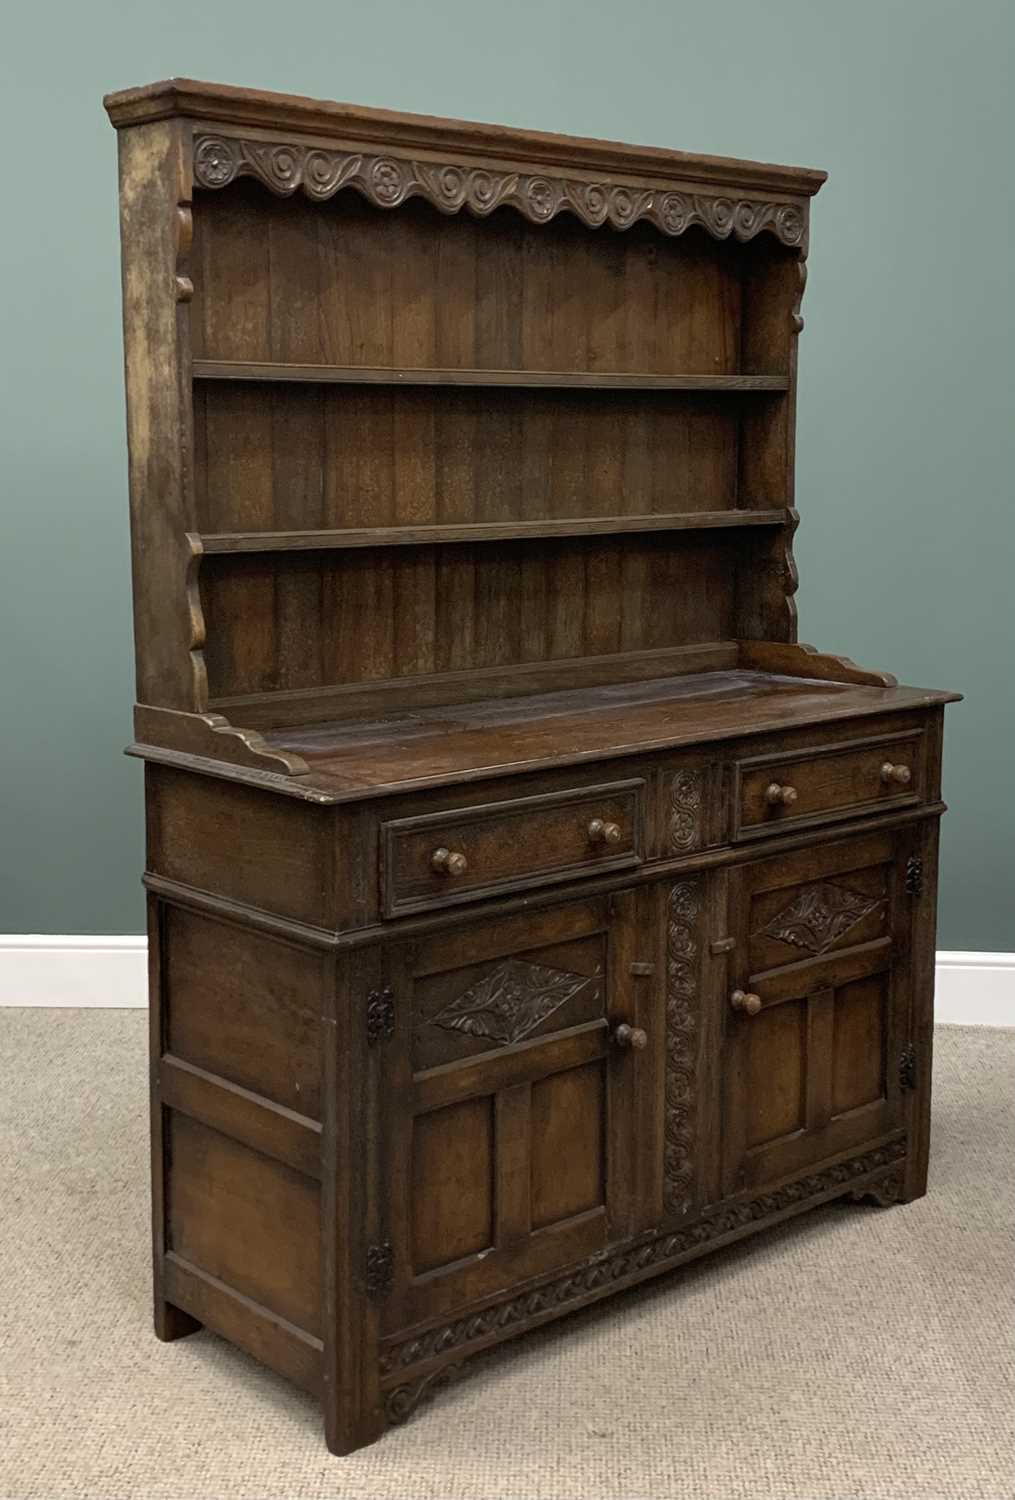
568 1113
822 941
452 1151
512 1110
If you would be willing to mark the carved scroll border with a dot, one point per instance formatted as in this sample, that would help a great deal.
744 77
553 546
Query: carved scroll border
683 963
605 1270
390 180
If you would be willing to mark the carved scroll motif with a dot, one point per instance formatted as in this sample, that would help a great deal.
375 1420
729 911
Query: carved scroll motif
686 794
682 1002
388 181
400 1403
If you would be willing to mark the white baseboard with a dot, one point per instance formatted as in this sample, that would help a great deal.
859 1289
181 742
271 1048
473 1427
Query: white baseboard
68 972
973 989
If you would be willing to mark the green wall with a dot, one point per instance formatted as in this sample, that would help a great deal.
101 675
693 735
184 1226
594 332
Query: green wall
905 439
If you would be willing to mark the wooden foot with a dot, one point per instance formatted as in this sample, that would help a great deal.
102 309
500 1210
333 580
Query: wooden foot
171 1322
886 1192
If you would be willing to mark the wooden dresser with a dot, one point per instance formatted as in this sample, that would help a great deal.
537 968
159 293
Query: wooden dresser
529 912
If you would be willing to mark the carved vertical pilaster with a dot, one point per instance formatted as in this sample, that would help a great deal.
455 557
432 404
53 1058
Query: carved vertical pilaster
683 999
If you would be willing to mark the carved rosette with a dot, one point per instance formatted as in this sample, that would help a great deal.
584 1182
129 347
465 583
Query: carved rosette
387 181
686 795
682 1000
603 1270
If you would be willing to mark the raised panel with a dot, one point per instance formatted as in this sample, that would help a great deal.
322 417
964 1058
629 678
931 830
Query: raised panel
246 1219
243 1006
860 1024
817 917
452 1181
567 1154
490 1006
776 1045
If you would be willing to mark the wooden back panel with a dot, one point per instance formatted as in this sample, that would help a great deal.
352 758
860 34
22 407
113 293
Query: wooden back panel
346 284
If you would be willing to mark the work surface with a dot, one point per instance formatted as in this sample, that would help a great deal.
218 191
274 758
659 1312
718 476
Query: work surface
459 742
854 1352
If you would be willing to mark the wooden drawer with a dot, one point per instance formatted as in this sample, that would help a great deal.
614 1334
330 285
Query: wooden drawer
827 782
471 852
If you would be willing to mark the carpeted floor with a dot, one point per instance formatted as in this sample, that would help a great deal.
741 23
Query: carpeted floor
855 1354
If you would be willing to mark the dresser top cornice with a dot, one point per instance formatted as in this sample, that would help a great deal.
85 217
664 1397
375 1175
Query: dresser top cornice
222 104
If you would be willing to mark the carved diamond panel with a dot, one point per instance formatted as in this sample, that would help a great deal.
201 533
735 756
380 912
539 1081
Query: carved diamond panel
509 1002
819 915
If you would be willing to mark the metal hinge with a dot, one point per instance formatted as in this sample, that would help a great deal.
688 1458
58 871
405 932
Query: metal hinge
914 876
380 1015
380 1269
907 1067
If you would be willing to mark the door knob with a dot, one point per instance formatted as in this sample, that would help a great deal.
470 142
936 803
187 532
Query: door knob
448 862
604 833
630 1036
746 1001
780 796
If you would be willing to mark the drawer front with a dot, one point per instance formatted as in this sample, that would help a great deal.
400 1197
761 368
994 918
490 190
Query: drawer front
828 782
438 858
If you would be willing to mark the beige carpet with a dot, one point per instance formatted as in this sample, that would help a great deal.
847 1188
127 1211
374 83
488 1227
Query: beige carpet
857 1352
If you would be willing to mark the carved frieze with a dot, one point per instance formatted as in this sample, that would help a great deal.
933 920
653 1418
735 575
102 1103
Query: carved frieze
682 1024
819 915
605 1270
510 1001
387 181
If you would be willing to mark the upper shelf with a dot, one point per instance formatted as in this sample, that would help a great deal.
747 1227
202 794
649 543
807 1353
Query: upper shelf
483 531
218 369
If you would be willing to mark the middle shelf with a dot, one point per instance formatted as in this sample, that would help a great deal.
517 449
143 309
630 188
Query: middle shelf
482 531
247 370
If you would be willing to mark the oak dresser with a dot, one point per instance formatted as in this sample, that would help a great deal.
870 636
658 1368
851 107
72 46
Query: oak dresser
529 912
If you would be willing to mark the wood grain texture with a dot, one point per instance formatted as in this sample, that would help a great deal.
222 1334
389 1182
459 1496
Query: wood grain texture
529 911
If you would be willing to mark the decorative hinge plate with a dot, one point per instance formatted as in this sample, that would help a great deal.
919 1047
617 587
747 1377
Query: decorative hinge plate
380 1269
907 1067
380 1015
914 876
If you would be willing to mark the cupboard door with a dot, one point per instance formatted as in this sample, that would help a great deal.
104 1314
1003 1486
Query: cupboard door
817 1009
511 1086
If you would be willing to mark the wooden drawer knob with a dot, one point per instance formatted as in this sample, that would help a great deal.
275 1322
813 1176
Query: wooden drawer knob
604 833
899 775
448 862
630 1036
780 796
745 1001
